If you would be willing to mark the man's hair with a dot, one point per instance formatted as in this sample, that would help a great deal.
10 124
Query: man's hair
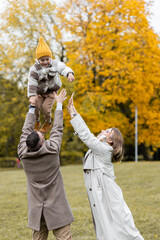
32 141
118 144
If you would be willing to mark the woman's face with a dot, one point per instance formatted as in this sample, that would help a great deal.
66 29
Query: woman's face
105 133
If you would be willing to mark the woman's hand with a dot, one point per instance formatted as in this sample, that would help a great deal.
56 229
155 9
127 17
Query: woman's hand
71 109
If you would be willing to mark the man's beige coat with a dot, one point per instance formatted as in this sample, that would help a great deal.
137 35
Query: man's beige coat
45 189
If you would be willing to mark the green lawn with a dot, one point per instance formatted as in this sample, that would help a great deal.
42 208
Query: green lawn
140 183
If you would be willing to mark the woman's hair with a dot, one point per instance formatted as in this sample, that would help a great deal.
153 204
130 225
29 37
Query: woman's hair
117 145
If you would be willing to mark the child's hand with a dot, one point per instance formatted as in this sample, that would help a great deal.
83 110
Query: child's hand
61 97
32 100
70 77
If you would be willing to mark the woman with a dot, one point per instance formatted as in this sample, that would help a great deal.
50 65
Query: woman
111 216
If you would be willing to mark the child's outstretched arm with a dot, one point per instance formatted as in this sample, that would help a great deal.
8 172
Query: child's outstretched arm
32 85
62 69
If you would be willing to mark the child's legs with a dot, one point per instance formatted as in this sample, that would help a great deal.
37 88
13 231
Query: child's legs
47 106
39 100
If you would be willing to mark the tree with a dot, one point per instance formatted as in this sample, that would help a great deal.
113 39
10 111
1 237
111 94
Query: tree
12 109
19 34
20 30
116 57
111 48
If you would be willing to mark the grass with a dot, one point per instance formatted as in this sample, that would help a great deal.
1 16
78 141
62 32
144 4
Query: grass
138 181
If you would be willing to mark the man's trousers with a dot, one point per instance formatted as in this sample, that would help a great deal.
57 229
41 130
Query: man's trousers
63 233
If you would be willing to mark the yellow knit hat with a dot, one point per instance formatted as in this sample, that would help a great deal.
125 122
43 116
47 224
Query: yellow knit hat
43 49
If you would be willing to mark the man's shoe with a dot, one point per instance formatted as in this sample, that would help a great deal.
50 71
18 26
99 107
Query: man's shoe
46 127
37 126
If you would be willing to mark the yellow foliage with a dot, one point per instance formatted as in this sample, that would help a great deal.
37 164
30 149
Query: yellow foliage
116 58
111 48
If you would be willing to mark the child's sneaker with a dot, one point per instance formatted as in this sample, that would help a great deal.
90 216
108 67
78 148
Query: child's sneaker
37 126
46 127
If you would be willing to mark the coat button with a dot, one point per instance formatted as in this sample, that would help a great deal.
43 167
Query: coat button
87 172
90 189
94 205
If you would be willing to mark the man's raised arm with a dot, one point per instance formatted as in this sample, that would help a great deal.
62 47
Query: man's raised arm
57 129
27 129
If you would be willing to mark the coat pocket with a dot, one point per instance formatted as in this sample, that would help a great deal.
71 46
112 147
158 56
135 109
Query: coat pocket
98 183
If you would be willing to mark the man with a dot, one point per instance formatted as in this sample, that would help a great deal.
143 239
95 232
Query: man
48 208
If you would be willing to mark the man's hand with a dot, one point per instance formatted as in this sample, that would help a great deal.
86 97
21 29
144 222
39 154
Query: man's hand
71 109
32 100
70 77
61 97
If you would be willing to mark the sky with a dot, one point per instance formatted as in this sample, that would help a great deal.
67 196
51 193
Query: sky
155 17
154 10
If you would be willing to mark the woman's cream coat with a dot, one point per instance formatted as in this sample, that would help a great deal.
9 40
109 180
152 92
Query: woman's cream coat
111 216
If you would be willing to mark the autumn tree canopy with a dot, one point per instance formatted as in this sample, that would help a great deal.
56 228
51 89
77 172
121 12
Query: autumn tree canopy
116 57
111 48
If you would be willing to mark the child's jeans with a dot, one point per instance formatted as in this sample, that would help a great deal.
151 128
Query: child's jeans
44 102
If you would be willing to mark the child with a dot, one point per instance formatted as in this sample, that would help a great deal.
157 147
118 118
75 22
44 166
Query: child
43 79
111 216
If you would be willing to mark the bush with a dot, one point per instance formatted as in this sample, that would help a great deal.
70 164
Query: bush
67 157
7 162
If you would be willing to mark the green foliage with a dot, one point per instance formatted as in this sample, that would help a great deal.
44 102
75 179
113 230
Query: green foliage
72 149
7 158
72 157
12 108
